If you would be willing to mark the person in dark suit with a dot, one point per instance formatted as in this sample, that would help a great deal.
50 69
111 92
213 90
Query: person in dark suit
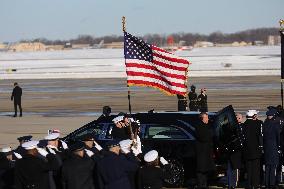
271 144
113 170
204 150
192 97
105 115
32 171
182 102
252 148
152 175
202 101
78 171
17 96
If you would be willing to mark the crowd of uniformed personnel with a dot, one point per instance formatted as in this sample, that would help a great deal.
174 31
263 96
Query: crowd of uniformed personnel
85 164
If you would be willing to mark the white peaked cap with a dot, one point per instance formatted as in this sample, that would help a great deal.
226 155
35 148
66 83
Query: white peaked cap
151 156
125 143
6 149
118 119
251 113
52 136
30 144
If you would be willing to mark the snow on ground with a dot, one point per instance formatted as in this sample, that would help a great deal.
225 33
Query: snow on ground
109 63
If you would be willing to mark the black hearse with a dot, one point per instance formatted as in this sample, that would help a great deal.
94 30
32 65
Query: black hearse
172 134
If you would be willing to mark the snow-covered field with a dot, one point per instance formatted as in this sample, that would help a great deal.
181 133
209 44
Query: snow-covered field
109 63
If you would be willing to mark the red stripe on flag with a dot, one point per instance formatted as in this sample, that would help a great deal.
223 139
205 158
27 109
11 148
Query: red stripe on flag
131 73
168 66
159 49
171 59
136 65
147 83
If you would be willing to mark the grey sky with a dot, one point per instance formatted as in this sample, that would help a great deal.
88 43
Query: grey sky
65 19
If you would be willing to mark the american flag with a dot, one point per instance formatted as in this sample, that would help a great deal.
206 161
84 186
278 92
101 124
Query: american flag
148 65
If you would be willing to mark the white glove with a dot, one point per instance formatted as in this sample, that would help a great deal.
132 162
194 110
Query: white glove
125 150
18 156
98 146
51 151
64 145
163 161
89 152
42 152
135 151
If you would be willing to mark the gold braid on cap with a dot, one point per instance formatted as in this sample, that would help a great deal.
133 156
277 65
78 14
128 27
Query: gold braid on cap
281 23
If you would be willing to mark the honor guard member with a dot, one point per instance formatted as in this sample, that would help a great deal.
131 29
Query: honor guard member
204 150
113 170
52 147
92 148
7 168
182 103
119 131
192 97
78 171
151 175
32 171
20 150
202 101
271 144
252 148
235 157
17 96
62 146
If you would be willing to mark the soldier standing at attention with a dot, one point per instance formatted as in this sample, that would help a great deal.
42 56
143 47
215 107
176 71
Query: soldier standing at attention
271 144
252 148
16 96
182 103
192 97
202 100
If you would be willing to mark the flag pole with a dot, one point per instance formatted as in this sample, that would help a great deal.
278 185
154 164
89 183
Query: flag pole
128 88
281 22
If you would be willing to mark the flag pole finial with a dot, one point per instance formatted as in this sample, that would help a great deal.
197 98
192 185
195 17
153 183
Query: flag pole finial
281 23
123 24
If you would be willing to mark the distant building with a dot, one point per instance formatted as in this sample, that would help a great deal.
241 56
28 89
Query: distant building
114 45
203 44
81 46
274 40
21 47
258 43
54 47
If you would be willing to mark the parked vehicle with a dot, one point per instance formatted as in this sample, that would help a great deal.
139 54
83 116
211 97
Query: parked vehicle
172 134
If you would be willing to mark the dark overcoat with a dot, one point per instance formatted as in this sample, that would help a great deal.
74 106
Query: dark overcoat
33 170
253 139
78 173
113 171
271 141
204 148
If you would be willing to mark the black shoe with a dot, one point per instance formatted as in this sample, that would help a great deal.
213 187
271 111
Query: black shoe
14 115
21 115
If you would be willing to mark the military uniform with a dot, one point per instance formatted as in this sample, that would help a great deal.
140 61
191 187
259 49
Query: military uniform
193 104
6 172
271 144
78 173
16 96
120 133
182 103
113 171
204 153
252 150
33 172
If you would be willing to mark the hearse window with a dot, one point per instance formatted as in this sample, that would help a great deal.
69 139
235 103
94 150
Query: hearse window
91 129
164 132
